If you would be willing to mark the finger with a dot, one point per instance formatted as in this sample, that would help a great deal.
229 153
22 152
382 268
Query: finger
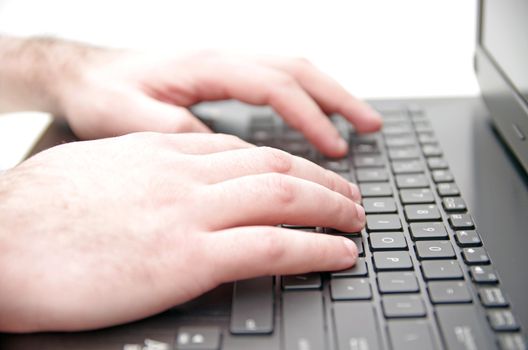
328 93
200 143
273 199
266 86
246 252
148 114
259 160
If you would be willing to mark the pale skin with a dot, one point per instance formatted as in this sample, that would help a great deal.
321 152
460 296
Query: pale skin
101 232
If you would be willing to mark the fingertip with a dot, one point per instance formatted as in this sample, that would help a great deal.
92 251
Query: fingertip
356 193
360 215
352 251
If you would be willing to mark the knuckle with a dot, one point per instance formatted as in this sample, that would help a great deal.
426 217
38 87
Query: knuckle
276 160
272 248
281 188
331 180
282 82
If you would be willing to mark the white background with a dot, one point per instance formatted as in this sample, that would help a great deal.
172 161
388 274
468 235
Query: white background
375 48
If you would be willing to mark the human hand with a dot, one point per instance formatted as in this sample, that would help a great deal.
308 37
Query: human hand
102 232
117 92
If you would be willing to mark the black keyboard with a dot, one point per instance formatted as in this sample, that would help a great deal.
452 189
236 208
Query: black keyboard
423 279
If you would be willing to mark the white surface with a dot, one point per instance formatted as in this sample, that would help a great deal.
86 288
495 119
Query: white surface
375 48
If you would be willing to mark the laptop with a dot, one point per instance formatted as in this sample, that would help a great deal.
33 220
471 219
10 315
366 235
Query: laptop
443 261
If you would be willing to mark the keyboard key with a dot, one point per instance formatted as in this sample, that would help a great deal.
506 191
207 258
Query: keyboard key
423 212
372 175
435 163
400 153
467 238
387 241
475 256
358 270
303 320
502 320
350 289
442 176
411 181
423 126
403 306
400 141
411 334
492 297
368 161
512 341
379 205
461 221
195 338
441 270
431 150
354 332
397 282
428 230
434 250
483 274
447 292
387 222
252 307
397 260
426 137
358 240
453 204
335 165
381 189
407 166
364 147
447 189
304 281
396 129
461 328
417 196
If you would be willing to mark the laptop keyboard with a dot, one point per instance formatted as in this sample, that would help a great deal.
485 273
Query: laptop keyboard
423 279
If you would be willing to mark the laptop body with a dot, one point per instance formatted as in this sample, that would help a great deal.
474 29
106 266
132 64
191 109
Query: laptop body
481 140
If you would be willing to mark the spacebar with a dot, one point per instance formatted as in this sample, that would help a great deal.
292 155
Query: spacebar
303 320
252 308
356 326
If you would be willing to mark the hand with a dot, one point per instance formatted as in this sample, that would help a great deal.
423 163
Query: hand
98 233
117 92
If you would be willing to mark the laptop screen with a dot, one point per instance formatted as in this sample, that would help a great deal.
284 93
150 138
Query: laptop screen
505 37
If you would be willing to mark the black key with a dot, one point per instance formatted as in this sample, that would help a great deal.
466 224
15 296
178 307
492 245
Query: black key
461 221
358 270
372 175
430 150
441 270
252 307
379 205
400 141
375 189
368 161
422 212
442 176
403 306
467 238
364 147
387 222
397 282
502 320
411 334
428 230
434 250
454 204
354 332
195 338
447 189
305 281
483 274
512 341
400 153
336 165
303 320
436 163
417 196
475 256
411 181
359 243
407 166
462 329
350 289
492 297
447 292
426 137
396 260
387 241
396 129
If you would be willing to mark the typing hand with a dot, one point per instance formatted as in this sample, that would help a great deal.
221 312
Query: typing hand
97 233
117 92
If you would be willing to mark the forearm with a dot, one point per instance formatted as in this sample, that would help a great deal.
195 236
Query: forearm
35 72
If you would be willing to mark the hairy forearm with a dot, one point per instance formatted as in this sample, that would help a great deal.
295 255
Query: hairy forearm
34 72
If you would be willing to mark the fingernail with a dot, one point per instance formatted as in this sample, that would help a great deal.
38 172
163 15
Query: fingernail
341 146
351 247
360 214
356 194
